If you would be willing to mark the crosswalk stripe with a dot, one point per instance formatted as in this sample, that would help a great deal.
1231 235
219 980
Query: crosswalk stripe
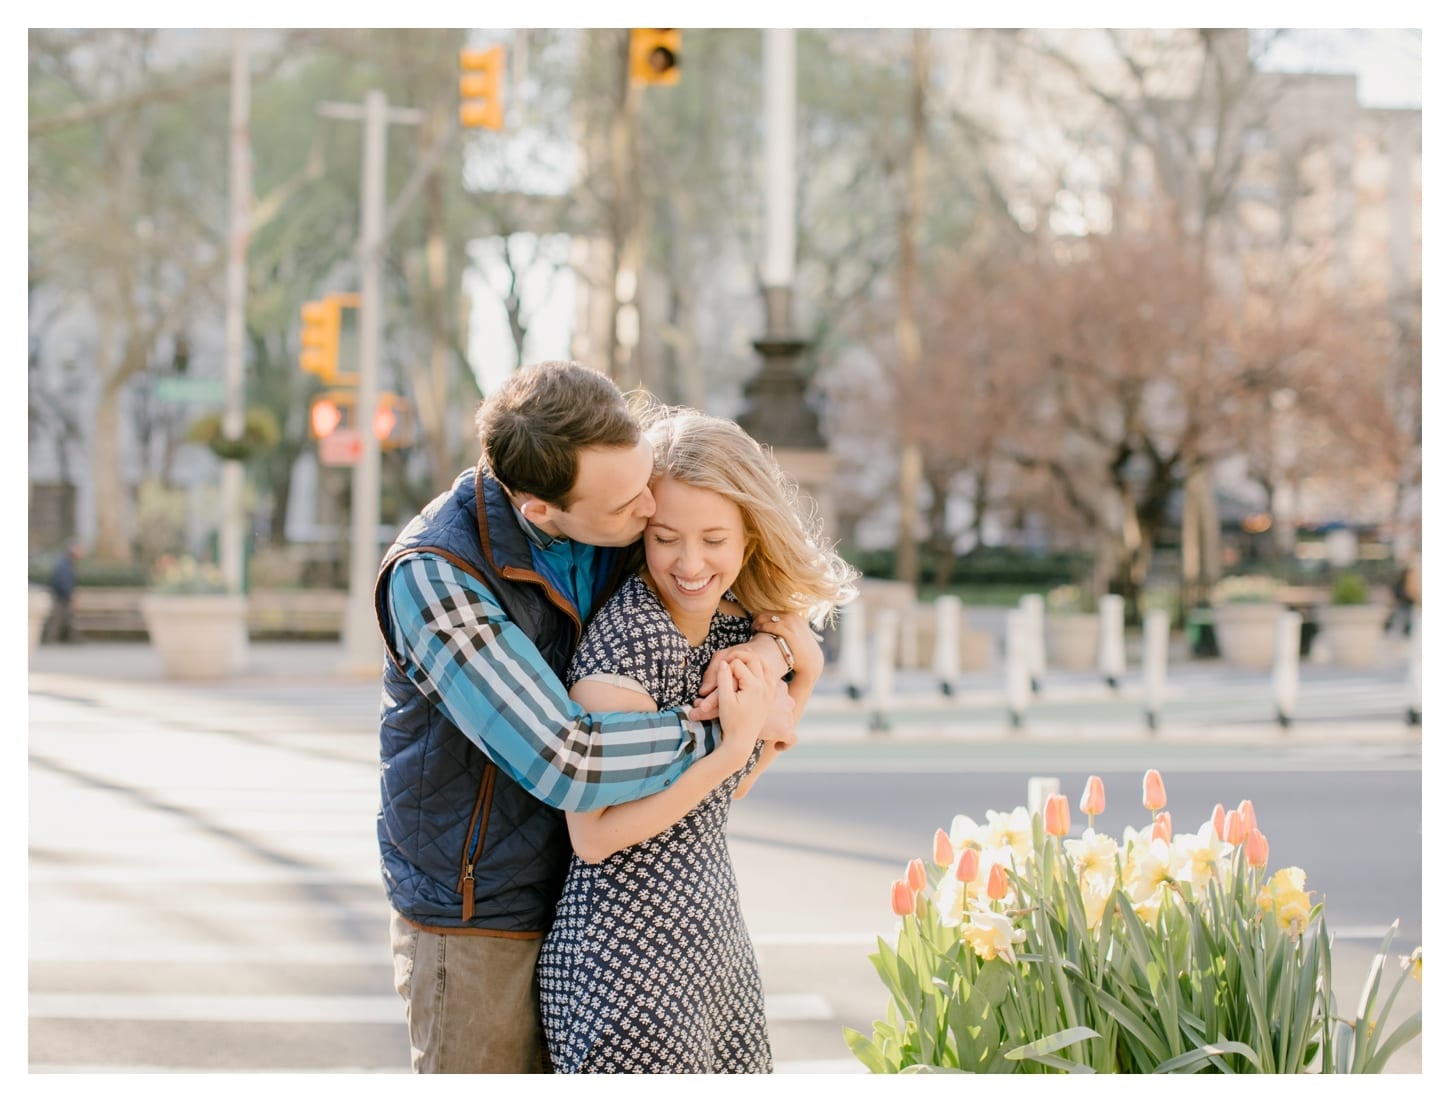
318 1009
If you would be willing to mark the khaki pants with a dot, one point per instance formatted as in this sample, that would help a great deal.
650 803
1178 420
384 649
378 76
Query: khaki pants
472 1000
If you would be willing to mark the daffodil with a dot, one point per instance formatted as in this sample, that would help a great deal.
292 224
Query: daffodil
1415 963
1285 897
964 832
992 935
1198 858
1095 896
1012 830
1094 857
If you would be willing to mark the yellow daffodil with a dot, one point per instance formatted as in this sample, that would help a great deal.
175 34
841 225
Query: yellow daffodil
992 935
1414 962
1285 897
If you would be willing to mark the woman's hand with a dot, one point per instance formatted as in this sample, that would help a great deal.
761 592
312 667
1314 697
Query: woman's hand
746 694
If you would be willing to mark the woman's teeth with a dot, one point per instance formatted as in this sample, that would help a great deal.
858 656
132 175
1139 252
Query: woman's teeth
691 587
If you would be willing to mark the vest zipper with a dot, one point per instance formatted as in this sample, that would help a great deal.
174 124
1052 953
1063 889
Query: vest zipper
473 848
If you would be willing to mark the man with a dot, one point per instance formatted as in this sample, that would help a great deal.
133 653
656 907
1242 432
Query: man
481 601
60 628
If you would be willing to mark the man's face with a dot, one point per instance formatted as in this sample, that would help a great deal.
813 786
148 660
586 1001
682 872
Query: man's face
611 499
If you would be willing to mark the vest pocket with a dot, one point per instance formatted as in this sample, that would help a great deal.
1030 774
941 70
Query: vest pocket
473 840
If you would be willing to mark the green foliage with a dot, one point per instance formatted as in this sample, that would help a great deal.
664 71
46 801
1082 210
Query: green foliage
260 432
1349 589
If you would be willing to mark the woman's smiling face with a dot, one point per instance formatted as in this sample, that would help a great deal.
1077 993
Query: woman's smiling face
694 547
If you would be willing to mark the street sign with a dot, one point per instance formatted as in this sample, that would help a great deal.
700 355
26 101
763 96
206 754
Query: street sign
180 389
342 448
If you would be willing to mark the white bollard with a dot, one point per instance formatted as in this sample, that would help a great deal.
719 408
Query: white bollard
1286 666
883 666
1035 655
854 658
909 644
1112 657
1038 790
1019 680
946 657
1412 710
1155 664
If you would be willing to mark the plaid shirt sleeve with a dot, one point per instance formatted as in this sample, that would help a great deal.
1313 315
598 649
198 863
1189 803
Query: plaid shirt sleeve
481 671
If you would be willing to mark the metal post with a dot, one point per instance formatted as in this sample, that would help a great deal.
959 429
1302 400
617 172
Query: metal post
1155 664
234 415
883 667
1112 659
854 659
362 645
1035 652
1413 708
1286 666
946 660
1019 679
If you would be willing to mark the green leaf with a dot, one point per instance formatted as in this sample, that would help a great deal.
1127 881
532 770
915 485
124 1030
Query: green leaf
1052 1043
1189 1061
994 981
1405 1032
1135 1025
930 1069
862 1048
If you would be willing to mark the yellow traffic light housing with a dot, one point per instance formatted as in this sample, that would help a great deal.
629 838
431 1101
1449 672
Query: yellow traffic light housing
480 88
321 329
654 55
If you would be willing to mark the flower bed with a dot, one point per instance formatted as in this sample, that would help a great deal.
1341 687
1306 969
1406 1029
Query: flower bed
1022 949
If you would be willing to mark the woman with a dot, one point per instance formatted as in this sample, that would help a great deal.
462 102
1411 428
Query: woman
648 966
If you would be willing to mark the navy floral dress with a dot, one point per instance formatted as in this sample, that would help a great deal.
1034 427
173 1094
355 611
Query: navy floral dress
648 966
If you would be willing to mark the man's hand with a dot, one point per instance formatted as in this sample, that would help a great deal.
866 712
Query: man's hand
810 660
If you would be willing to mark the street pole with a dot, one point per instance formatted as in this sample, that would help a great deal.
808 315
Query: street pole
362 645
232 551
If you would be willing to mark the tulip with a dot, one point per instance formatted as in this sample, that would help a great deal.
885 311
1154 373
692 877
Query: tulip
968 866
996 882
1246 809
942 851
903 899
1233 828
916 875
1256 848
1163 827
1056 816
1218 821
1154 797
1093 798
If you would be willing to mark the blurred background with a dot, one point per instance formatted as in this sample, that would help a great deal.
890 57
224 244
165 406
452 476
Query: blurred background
1099 311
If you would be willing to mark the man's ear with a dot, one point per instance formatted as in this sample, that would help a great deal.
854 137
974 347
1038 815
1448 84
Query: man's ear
535 510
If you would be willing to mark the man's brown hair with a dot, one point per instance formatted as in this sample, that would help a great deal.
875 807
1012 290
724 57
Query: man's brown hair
533 426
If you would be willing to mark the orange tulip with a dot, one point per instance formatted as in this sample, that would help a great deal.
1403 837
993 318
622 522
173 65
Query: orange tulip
941 849
916 874
996 882
1246 809
1218 821
903 899
968 865
1056 816
1154 797
1256 848
1233 828
1163 827
1093 798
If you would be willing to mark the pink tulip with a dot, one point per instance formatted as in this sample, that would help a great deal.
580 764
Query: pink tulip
1233 828
1218 821
968 866
942 849
996 882
1256 849
903 899
1154 797
1093 798
1163 827
1246 809
916 875
1056 816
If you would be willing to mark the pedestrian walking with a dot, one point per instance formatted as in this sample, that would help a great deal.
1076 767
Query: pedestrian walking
60 627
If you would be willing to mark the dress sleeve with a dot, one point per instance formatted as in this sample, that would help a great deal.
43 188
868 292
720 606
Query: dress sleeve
631 637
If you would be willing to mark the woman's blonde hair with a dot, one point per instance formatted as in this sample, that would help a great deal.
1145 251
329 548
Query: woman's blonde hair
787 566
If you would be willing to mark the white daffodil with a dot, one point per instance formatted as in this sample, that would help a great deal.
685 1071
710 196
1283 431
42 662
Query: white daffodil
1196 859
1012 830
1095 896
1149 874
948 899
1095 857
992 935
964 831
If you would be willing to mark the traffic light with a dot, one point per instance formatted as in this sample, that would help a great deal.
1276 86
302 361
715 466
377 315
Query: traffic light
480 88
335 411
654 55
331 410
321 328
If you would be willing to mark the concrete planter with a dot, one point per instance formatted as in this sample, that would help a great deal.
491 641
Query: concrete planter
1072 640
40 605
1246 632
200 637
1353 633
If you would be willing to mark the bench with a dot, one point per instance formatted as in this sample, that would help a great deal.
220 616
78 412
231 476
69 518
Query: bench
103 612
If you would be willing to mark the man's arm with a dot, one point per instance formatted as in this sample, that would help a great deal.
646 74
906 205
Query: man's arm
488 679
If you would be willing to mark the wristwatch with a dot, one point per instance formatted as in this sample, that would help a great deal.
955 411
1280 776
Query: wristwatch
786 653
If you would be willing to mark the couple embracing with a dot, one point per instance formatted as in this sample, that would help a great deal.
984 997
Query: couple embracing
596 639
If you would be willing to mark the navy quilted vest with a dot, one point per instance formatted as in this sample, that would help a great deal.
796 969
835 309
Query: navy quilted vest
463 845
